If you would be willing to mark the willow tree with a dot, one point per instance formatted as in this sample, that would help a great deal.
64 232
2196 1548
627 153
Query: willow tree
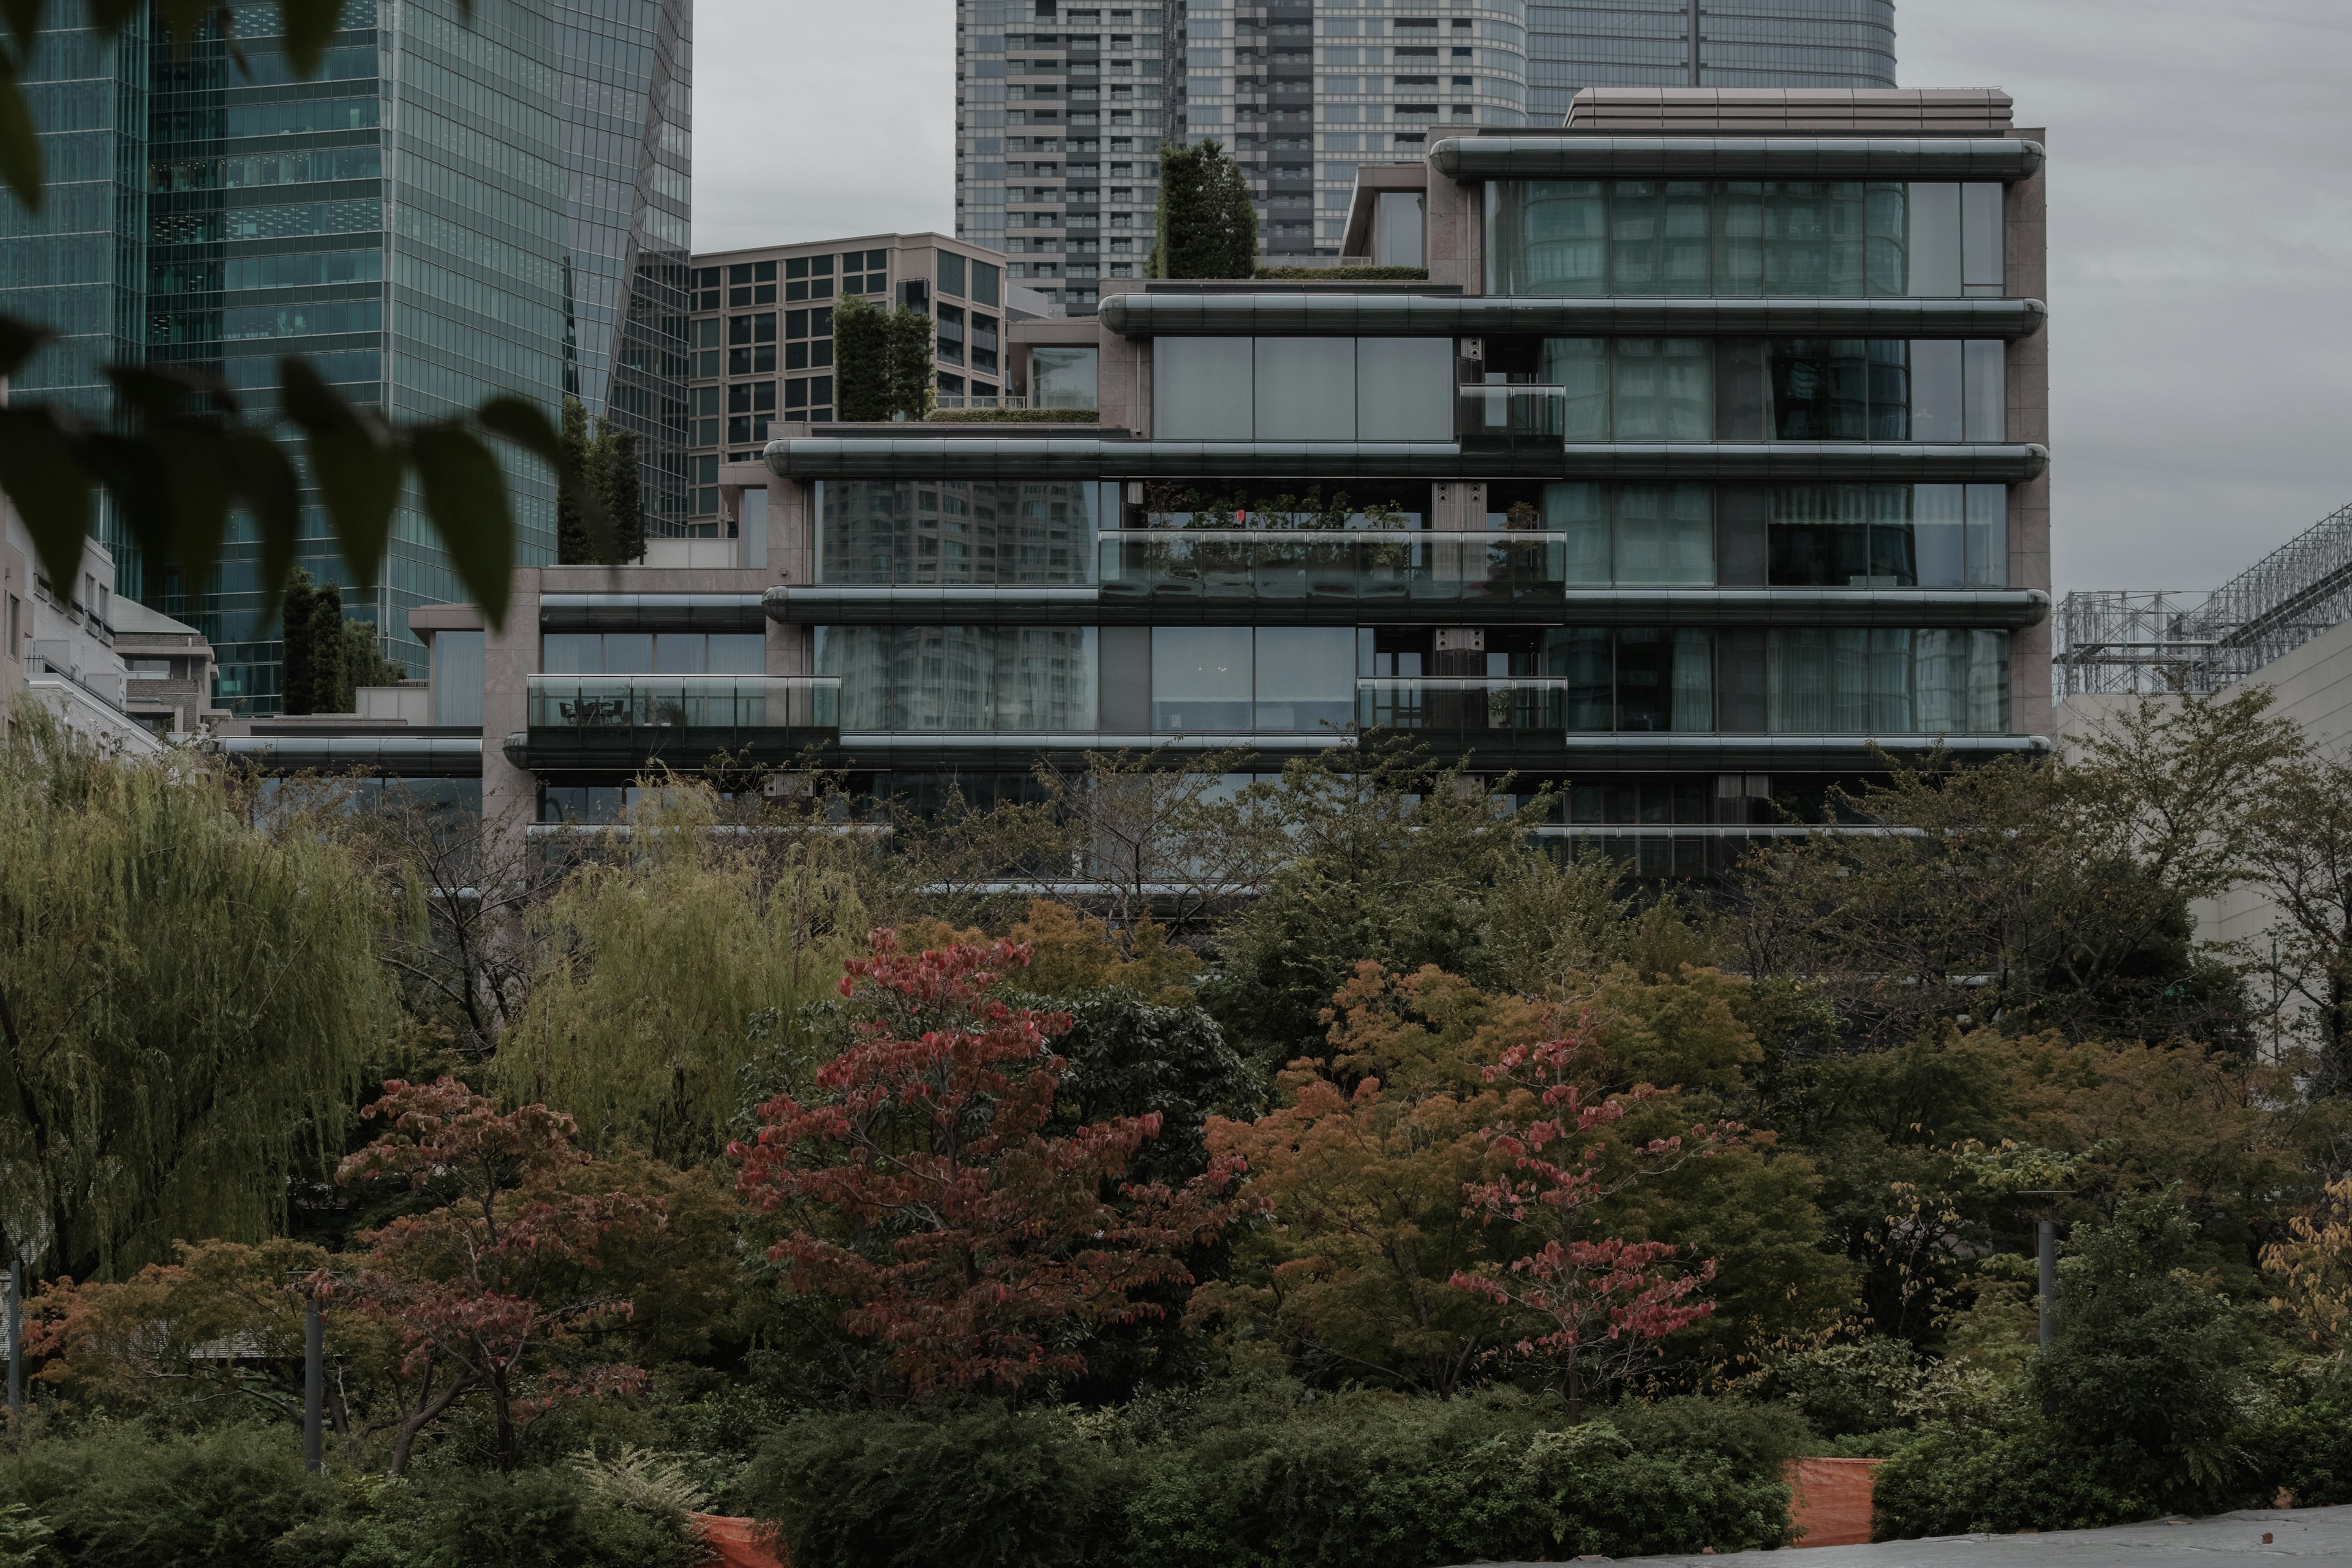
685 962
185 998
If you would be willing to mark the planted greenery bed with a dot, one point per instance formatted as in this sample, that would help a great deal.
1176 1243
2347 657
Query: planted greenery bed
1012 416
1345 274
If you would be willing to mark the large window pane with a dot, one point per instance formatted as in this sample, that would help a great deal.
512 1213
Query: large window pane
1935 395
1201 389
680 653
1980 238
1890 680
1546 237
970 679
1987 532
1883 206
1664 533
1581 365
572 653
629 653
1890 390
1984 372
738 653
1305 677
1063 375
1693 681
1645 679
1581 656
1201 677
1933 254
1739 238
880 532
1938 531
1580 511
1404 389
1819 536
1663 389
1799 680
1939 660
1988 682
1306 389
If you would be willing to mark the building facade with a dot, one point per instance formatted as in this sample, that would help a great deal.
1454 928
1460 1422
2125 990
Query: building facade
761 330
1703 43
1701 474
461 203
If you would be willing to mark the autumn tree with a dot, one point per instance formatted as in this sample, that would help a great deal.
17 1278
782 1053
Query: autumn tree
1600 1303
2300 856
482 1291
920 1191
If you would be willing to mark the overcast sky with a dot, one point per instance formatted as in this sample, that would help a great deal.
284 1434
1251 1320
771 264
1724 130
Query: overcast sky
2201 228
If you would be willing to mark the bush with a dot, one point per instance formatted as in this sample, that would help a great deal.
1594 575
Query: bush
1375 1481
1346 274
1013 417
2307 1449
1847 1390
128 1496
982 1486
534 1518
1955 1481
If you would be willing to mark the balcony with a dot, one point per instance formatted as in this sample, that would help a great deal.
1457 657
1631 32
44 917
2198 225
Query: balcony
1465 709
1302 577
623 721
1496 418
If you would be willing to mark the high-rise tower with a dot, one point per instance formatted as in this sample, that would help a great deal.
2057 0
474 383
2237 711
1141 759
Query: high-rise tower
451 208
1574 44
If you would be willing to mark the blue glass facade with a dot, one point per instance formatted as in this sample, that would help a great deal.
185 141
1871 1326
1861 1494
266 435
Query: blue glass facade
449 209
1703 43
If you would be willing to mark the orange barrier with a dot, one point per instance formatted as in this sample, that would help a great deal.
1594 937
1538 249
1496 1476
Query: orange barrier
735 1542
1829 1501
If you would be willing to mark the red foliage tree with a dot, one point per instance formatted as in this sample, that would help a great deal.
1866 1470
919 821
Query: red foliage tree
924 1195
478 1289
1607 1299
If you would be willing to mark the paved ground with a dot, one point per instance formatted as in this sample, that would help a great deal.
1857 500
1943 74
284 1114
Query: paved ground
2308 1535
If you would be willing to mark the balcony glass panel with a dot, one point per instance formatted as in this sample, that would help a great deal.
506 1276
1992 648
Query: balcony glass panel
953 532
1358 566
963 678
586 702
1464 705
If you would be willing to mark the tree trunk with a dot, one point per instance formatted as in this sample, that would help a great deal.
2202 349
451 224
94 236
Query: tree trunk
509 1443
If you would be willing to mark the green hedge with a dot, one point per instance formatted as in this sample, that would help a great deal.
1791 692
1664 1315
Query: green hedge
1346 274
1013 417
1360 1481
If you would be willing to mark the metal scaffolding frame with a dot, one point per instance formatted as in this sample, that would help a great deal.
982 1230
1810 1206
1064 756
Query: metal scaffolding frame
2113 640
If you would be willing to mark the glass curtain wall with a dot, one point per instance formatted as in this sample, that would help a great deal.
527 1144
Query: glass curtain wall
1741 238
625 75
880 532
961 680
1781 389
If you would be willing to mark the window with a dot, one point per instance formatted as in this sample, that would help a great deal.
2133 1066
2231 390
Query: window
950 338
1786 389
1371 389
950 273
1790 238
1891 536
1854 680
1062 375
648 653
967 680
752 397
888 532
983 283
1202 679
984 343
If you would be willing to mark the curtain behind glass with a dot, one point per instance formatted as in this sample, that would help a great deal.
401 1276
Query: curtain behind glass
1799 676
1694 693
1664 533
1663 389
1580 365
1580 511
1546 237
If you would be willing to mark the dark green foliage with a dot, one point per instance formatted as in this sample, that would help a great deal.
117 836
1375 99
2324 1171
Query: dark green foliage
126 1498
1206 226
298 654
1013 416
979 1487
602 522
536 1519
882 362
2307 1450
363 660
331 686
1345 274
1128 1056
1956 1480
1358 1481
2148 1363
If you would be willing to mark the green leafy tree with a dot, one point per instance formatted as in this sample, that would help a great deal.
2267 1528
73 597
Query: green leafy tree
1206 226
185 999
330 683
574 543
2150 1365
364 663
616 483
298 654
882 362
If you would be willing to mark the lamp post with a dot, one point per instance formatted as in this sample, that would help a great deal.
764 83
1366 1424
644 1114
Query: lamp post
2047 1238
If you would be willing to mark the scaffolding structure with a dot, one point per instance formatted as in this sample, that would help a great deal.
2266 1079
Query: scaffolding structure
2113 640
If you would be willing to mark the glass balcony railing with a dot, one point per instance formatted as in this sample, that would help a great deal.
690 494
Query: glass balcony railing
1464 705
1200 566
713 702
1500 416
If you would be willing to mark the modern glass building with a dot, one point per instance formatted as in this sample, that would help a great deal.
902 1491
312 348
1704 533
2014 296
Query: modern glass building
1703 43
433 218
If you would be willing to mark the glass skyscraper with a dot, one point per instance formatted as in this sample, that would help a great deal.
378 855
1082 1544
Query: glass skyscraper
445 212
1703 43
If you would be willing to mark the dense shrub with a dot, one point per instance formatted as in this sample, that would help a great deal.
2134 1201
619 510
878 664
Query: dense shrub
980 1486
2307 1450
1362 1479
534 1518
1953 1480
131 1496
